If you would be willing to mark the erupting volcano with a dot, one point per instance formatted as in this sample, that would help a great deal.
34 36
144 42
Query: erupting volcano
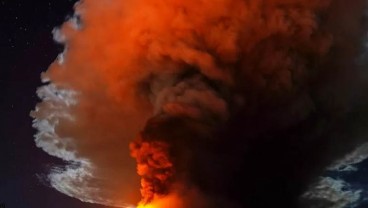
203 103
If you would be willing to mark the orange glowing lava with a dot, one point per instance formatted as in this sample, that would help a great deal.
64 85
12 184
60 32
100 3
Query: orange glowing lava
169 201
146 206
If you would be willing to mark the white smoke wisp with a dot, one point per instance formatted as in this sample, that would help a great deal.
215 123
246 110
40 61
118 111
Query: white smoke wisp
331 193
78 178
348 162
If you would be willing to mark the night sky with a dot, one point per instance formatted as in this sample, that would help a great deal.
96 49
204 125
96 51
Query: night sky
27 48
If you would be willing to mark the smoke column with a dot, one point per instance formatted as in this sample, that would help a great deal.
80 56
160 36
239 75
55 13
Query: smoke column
203 103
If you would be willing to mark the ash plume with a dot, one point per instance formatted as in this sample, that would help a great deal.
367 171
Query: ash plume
204 104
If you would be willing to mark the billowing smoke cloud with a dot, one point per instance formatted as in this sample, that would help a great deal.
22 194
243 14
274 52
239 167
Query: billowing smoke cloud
210 103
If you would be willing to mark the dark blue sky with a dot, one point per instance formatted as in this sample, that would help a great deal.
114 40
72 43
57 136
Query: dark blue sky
27 49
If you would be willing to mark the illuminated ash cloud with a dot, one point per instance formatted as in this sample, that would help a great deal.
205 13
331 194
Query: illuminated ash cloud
211 103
